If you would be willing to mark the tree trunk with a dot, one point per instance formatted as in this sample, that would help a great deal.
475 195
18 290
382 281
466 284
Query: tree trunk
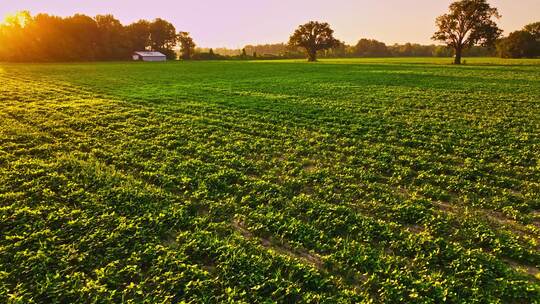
312 55
457 57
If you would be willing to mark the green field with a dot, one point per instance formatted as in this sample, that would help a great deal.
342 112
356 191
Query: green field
343 181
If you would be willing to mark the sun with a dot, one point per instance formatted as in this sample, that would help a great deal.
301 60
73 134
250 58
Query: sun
18 19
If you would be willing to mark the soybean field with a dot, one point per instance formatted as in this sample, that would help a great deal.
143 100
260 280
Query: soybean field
341 181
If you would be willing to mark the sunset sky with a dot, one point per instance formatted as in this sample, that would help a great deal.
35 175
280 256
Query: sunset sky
235 23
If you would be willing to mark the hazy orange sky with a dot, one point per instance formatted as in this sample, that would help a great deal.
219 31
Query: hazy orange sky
235 23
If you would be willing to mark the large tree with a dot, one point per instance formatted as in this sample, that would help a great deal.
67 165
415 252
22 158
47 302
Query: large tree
187 45
313 37
370 48
163 37
468 23
51 42
113 40
138 34
82 36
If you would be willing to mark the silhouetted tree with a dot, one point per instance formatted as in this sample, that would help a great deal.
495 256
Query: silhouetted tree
468 22
187 45
163 37
50 39
82 35
313 37
113 39
138 34
518 44
370 48
533 29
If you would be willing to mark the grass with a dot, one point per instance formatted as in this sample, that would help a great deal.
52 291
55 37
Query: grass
386 180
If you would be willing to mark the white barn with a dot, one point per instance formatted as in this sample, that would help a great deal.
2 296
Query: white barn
149 56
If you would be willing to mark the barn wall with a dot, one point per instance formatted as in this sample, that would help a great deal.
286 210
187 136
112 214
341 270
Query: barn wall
154 58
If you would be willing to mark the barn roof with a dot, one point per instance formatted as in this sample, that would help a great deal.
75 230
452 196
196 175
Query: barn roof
150 54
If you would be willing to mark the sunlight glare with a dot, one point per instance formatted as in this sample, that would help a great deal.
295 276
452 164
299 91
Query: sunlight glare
17 19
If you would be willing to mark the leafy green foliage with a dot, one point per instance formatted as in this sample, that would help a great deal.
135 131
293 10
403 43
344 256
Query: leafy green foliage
343 181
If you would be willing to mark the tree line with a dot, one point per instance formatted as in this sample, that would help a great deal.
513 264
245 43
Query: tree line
82 38
524 43
466 25
469 28
363 48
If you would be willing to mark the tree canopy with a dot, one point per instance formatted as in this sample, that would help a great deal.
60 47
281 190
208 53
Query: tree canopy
468 23
371 48
313 37
187 45
138 34
523 43
533 29
163 37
